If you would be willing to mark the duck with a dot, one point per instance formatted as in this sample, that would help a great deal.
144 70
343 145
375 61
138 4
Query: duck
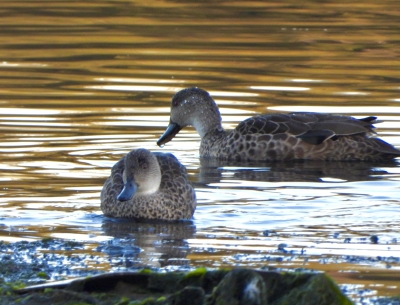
148 185
276 136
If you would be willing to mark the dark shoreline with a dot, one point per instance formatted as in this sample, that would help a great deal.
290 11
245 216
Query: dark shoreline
22 267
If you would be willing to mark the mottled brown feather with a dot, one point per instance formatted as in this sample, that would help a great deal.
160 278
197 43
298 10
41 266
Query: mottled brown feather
175 198
272 137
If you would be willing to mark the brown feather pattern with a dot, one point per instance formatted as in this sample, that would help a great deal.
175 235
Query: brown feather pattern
273 137
174 199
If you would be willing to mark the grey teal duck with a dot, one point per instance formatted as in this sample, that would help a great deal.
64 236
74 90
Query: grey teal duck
149 186
273 137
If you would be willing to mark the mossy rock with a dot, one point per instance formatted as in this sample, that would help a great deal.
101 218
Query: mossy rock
199 287
240 287
305 289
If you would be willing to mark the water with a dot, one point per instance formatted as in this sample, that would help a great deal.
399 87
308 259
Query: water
82 83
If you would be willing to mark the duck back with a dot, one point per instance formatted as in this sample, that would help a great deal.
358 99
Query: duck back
312 136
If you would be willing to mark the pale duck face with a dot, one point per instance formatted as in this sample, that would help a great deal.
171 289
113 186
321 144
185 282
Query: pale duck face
141 176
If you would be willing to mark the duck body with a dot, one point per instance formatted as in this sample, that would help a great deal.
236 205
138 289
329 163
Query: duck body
147 185
276 137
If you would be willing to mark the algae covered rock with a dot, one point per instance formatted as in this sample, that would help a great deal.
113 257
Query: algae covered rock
187 296
240 287
199 287
306 289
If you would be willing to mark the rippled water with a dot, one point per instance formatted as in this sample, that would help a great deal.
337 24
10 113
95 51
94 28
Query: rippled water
82 83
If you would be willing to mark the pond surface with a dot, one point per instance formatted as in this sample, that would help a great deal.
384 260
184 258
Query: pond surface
83 82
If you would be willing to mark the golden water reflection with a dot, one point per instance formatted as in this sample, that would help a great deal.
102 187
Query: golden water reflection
83 83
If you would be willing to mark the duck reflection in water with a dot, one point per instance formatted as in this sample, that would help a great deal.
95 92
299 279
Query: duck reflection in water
213 170
148 243
276 137
150 196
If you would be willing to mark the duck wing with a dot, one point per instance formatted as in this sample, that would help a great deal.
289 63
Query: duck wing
113 185
178 192
313 128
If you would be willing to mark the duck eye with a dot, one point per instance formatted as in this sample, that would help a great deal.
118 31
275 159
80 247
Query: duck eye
142 163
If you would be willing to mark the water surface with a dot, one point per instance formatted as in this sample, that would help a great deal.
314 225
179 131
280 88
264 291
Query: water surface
82 83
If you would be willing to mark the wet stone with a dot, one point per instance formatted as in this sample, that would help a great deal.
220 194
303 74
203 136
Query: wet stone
240 287
198 287
145 286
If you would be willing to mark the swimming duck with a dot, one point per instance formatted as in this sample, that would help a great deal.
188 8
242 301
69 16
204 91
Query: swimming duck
273 137
150 186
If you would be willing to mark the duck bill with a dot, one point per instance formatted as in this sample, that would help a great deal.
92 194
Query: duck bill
128 191
169 134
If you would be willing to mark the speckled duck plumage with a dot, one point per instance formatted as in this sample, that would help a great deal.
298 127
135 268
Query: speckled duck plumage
149 186
273 137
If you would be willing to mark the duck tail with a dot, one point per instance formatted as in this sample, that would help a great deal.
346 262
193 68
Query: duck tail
384 147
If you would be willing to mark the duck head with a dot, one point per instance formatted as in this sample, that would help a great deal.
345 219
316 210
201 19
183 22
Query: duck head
192 107
141 176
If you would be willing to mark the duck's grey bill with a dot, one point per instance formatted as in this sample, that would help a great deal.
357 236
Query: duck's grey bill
128 191
169 134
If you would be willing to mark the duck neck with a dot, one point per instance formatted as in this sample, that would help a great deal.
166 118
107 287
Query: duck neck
210 121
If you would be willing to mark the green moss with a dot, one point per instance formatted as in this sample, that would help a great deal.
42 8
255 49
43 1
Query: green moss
199 272
145 271
17 285
123 301
47 239
165 282
193 278
148 301
344 300
9 288
296 288
43 275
